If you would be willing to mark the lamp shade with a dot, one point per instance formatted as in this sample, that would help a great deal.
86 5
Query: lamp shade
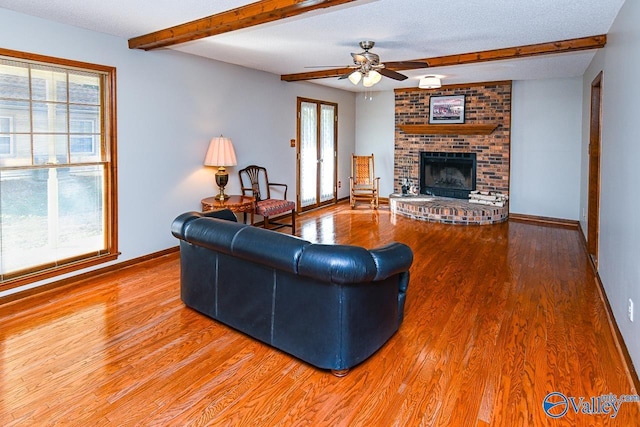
220 153
429 82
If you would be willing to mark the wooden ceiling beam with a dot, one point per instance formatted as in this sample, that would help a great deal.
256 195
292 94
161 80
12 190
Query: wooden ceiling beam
246 16
564 46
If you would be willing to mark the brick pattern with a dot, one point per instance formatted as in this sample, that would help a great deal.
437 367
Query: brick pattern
484 103
447 211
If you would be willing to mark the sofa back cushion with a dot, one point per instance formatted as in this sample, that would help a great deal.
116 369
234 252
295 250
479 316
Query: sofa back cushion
212 233
337 263
276 250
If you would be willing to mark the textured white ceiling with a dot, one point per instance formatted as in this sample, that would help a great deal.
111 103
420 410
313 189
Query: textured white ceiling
402 30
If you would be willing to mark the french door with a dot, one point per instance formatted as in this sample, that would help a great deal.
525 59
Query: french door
316 153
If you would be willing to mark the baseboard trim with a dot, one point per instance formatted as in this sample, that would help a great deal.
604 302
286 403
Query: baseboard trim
617 335
544 220
81 278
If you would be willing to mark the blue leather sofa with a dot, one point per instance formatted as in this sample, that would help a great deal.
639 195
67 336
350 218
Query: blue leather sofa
332 306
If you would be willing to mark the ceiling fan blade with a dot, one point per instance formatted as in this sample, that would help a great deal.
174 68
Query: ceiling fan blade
329 66
344 76
406 65
392 74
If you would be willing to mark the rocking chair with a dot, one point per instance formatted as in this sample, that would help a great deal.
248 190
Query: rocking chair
364 186
255 182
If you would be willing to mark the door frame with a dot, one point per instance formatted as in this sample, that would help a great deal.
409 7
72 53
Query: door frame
595 148
334 200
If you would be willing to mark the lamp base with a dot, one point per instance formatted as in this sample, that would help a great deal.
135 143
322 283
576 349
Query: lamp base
222 196
222 177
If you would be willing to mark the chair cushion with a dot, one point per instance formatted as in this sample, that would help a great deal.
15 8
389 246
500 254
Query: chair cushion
363 188
271 207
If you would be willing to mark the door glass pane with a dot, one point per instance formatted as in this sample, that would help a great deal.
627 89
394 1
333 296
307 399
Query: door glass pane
308 153
327 173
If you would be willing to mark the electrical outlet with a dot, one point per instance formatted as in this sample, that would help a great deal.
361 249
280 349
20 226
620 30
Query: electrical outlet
339 184
630 310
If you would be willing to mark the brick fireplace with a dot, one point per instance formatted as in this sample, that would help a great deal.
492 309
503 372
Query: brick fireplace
485 104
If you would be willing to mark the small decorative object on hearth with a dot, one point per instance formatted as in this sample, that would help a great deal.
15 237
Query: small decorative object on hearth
413 190
221 153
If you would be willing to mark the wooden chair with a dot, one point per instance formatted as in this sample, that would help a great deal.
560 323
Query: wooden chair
255 181
364 186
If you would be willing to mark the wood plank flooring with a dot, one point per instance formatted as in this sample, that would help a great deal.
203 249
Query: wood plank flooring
497 317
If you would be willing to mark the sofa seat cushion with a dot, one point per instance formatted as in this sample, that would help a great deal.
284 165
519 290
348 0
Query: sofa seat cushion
270 207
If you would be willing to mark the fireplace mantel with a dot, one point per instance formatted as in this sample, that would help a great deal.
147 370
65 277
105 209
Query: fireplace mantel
451 129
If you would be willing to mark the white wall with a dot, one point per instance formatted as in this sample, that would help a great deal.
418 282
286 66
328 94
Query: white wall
375 133
170 105
546 132
619 250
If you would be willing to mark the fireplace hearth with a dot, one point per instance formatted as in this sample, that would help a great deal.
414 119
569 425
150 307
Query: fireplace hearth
447 174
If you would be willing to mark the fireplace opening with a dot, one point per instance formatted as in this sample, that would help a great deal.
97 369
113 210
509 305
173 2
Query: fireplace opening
447 174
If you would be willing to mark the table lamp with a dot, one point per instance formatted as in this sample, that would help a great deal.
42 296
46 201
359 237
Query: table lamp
221 153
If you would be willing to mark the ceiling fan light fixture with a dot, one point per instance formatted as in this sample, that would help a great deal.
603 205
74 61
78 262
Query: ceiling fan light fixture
430 82
375 76
371 78
355 77
367 81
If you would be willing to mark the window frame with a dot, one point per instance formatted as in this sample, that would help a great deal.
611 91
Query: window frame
109 140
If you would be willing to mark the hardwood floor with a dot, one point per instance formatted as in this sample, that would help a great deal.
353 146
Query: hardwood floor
497 317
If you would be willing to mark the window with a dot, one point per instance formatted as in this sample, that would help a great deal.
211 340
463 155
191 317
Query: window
57 167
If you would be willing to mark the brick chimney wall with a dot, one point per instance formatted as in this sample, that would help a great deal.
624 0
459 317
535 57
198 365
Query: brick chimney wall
484 103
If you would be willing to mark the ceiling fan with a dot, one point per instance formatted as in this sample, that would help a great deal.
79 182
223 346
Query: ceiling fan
368 68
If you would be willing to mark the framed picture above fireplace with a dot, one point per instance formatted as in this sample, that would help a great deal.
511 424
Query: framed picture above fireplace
446 109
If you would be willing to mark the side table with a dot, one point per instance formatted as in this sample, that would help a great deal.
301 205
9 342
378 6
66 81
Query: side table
244 204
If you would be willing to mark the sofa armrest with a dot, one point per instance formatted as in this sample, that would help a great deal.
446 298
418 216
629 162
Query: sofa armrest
391 259
179 225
